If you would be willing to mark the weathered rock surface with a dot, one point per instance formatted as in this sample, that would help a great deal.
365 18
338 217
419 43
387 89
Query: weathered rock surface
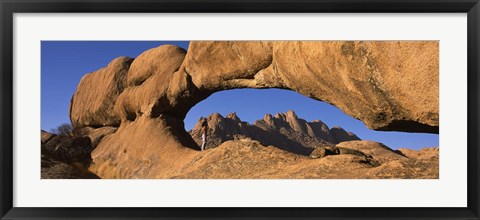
144 148
406 169
157 86
96 135
96 94
424 153
55 169
284 130
378 150
320 152
164 59
247 159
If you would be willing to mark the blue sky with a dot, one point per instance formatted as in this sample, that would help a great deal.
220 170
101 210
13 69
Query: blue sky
65 62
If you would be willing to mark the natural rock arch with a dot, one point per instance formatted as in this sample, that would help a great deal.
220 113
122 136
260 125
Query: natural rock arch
389 85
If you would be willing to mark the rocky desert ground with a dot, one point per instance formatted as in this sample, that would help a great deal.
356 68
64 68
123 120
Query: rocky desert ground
276 147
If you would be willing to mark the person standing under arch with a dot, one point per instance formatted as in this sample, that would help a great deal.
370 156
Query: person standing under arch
204 133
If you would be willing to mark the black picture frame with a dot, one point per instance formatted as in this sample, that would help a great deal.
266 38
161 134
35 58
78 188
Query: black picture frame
9 7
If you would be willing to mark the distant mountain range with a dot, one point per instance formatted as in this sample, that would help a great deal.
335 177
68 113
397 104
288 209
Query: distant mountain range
284 130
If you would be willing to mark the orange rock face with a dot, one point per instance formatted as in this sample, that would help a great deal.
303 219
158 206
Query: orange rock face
96 94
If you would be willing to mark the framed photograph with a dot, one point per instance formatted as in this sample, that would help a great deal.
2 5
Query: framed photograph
231 109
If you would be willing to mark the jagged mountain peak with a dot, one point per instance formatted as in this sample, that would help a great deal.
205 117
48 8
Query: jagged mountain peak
233 116
291 114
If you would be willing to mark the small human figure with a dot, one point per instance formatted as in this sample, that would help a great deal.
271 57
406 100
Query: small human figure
204 133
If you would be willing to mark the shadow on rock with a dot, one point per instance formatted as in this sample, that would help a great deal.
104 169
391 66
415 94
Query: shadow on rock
66 157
